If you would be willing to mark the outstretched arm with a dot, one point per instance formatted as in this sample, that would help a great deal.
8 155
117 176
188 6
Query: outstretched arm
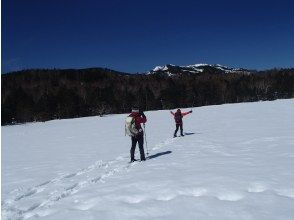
186 113
172 113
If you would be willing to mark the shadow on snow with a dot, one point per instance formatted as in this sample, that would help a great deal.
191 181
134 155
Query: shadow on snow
159 154
190 133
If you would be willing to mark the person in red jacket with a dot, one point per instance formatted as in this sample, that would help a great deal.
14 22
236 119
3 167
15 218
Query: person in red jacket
139 117
179 120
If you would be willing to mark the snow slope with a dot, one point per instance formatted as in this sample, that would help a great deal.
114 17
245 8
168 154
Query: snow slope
236 162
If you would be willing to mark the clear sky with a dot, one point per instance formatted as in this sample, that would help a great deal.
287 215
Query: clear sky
136 35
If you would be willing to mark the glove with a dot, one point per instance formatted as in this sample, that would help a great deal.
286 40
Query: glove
191 111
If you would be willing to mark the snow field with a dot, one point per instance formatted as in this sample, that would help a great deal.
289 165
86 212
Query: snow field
236 162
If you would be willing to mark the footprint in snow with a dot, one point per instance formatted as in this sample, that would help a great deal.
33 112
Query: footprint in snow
230 196
257 187
164 143
286 192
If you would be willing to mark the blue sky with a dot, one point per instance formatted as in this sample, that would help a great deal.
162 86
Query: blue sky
134 36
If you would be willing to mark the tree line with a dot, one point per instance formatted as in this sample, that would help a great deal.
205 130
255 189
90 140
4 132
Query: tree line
41 94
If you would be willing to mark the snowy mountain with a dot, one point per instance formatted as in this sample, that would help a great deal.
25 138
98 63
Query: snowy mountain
235 162
171 70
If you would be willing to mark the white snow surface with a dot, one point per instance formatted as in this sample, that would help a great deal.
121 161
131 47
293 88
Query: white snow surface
162 68
235 162
199 65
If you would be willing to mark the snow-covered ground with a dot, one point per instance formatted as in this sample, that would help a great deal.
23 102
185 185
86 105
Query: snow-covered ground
236 162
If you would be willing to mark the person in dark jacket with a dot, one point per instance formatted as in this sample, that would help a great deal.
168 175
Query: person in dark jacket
178 116
139 117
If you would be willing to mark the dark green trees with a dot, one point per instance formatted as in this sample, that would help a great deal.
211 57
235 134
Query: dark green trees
40 95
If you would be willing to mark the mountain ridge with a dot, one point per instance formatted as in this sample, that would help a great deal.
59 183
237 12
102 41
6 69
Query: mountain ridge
43 94
172 70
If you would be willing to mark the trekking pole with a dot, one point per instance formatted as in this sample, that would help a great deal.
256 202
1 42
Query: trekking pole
145 139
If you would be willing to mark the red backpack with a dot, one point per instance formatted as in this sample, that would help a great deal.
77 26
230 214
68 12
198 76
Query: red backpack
178 117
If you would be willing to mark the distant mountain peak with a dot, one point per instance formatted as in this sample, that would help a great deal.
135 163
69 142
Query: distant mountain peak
172 70
163 68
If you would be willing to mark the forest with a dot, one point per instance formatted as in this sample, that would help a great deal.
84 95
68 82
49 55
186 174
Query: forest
47 94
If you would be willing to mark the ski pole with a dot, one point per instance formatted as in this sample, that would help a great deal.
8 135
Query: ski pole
145 139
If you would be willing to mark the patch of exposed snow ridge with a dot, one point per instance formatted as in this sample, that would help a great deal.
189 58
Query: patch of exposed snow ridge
162 68
198 65
157 68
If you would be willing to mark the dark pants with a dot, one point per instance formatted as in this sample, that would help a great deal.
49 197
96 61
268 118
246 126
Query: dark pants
177 128
140 140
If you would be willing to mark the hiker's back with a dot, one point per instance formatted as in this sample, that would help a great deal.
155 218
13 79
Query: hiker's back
178 118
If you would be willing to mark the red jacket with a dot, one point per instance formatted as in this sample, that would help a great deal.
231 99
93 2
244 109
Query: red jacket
179 115
138 120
